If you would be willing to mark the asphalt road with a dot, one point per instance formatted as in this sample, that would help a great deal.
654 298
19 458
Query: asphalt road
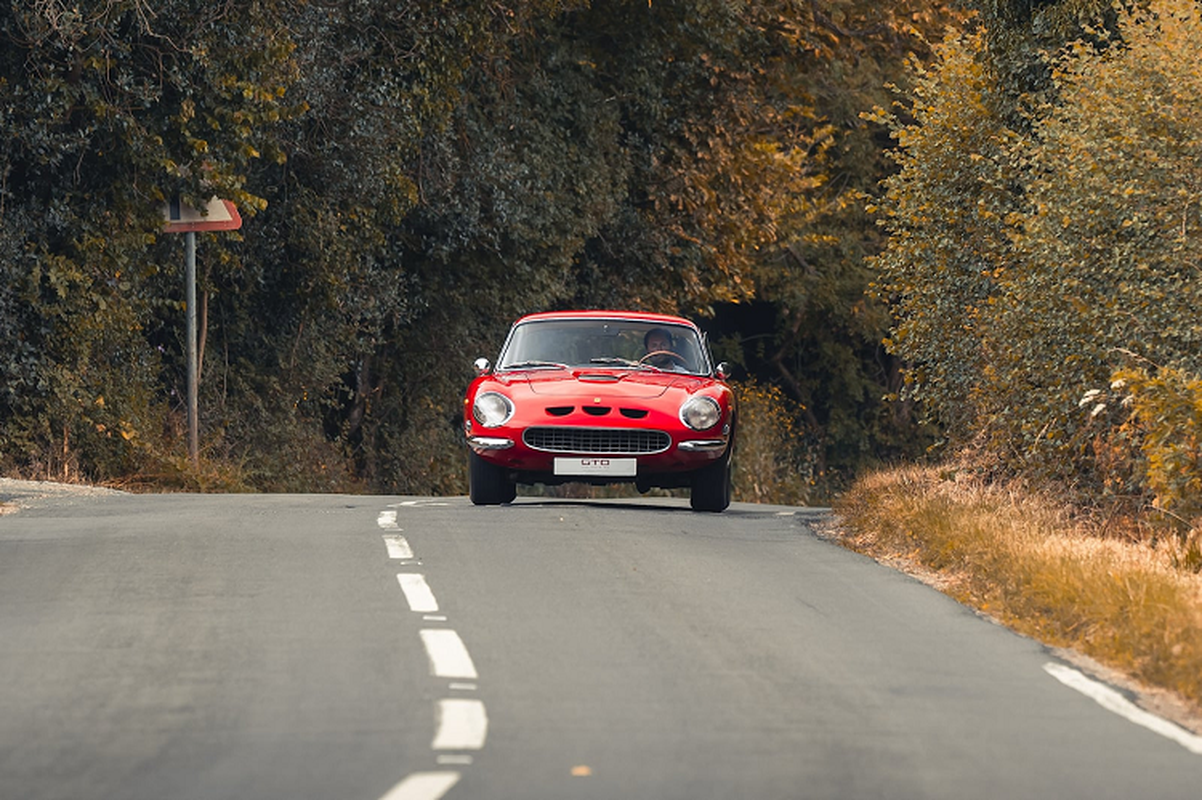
259 647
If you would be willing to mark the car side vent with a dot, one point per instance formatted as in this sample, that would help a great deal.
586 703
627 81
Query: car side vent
559 411
597 411
634 413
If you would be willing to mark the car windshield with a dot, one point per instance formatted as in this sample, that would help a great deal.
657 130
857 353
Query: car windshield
634 344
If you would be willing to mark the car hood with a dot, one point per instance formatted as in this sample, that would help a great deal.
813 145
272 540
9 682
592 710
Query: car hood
635 385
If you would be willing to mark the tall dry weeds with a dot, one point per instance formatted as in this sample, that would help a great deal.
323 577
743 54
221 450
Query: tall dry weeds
1031 564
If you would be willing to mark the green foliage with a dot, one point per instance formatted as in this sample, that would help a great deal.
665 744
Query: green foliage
946 212
106 112
814 332
1021 32
1166 410
1029 263
1103 252
773 461
412 178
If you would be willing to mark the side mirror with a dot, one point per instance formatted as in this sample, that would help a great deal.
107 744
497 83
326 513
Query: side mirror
481 365
722 371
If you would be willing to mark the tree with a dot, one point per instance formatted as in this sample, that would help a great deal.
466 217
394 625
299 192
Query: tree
1105 273
1084 268
818 335
107 111
946 211
412 179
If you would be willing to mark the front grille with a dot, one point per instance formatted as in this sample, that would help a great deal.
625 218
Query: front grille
607 441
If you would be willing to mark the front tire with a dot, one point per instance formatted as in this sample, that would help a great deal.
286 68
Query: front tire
712 485
488 484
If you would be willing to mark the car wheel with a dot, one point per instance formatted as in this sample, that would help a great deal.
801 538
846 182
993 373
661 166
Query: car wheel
712 486
488 485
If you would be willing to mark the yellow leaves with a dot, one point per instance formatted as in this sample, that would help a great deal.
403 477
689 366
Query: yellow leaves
1167 412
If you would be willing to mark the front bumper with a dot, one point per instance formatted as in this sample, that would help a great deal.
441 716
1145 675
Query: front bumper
486 443
702 445
507 449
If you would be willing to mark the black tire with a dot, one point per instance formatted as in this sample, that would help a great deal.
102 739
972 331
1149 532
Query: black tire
488 484
712 486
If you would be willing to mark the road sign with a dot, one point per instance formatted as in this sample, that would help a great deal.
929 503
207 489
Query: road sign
218 215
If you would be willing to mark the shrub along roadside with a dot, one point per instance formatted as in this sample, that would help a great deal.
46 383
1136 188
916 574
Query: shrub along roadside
1027 562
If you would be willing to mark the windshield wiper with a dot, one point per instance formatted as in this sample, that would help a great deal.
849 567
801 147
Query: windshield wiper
625 362
536 365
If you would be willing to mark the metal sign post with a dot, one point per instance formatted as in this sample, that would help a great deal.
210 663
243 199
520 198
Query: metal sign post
218 215
193 377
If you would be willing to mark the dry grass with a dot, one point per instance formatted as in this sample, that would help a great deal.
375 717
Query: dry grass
1029 563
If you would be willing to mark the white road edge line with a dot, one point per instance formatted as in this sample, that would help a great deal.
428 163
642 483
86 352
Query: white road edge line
398 547
1112 701
423 786
462 725
448 656
417 592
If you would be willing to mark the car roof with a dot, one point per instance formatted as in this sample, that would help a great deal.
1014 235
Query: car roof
632 316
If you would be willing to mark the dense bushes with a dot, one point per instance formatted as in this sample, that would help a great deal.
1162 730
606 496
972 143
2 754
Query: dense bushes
774 462
1042 244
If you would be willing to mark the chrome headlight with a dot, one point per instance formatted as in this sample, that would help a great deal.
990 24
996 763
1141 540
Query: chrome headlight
700 413
492 409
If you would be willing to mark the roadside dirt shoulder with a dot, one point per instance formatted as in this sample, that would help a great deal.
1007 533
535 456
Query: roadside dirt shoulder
1156 700
16 495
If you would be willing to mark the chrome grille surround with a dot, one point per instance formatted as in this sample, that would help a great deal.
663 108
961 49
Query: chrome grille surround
599 441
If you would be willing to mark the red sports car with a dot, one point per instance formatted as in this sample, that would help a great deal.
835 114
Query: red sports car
601 397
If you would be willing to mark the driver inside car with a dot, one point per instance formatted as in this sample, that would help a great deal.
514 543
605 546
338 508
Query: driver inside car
660 351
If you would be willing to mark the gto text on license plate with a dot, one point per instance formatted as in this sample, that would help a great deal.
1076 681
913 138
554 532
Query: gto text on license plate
617 467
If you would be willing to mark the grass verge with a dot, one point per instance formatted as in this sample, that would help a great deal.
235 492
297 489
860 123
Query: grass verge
1030 564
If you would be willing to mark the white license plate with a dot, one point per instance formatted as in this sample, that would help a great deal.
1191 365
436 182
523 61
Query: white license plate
612 467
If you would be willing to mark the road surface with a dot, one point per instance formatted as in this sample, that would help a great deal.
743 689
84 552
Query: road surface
256 647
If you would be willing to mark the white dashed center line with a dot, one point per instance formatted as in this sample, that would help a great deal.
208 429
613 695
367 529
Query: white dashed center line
448 657
417 592
423 786
398 548
462 725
